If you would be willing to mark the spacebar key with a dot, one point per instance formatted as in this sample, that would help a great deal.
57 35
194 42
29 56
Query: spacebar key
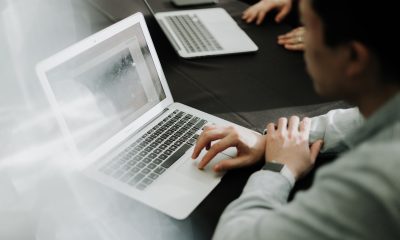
167 163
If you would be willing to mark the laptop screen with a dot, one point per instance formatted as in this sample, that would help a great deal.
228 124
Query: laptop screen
103 89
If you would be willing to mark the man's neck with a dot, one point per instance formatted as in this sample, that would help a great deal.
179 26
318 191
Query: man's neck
370 103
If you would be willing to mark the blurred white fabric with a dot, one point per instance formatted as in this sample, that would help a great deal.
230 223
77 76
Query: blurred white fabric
41 195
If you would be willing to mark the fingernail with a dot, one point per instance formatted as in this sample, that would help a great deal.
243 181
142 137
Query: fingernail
217 168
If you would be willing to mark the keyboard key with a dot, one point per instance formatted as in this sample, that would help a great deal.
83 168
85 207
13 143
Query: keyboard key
167 163
135 170
191 141
126 177
136 179
142 154
145 171
157 150
167 152
147 160
132 162
141 165
149 148
152 165
159 170
200 124
152 155
147 181
157 161
153 176
163 146
141 186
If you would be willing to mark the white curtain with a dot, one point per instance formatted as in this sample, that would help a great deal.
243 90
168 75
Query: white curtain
42 196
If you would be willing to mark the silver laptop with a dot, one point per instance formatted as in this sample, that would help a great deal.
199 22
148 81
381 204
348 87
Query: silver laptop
204 32
114 107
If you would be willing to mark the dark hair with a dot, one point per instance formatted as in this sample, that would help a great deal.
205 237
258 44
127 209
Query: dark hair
365 21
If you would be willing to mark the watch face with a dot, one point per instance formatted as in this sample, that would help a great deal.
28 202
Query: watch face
276 167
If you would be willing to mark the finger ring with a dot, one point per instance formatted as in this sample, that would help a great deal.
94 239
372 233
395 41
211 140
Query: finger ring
299 39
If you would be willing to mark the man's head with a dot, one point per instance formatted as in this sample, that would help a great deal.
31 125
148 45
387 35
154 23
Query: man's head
347 50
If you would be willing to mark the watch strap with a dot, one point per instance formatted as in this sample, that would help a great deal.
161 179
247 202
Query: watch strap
273 166
282 169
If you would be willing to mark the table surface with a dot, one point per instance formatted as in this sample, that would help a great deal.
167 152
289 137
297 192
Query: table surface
249 89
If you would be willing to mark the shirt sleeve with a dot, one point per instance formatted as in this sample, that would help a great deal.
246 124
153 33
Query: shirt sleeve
333 127
264 191
353 199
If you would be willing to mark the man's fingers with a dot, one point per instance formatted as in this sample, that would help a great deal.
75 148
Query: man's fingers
206 138
282 124
305 125
293 40
249 15
209 127
251 18
215 149
260 17
315 148
270 128
245 14
294 122
256 12
295 47
229 164
282 13
287 35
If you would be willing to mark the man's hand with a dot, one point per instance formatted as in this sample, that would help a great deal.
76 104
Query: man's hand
259 10
293 40
250 146
288 144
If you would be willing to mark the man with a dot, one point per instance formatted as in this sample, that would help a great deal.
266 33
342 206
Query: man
358 195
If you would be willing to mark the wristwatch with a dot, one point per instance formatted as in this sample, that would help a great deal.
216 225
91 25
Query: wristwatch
280 168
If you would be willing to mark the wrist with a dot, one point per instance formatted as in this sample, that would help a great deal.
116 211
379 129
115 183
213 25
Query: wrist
283 169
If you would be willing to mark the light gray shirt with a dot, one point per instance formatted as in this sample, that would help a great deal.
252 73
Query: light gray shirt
355 197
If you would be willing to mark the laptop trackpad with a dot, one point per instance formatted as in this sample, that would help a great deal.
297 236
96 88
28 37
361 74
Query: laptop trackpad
189 166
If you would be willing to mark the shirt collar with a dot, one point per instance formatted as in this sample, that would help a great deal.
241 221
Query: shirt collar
385 116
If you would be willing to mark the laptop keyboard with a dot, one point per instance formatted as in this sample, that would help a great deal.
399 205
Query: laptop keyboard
191 31
148 157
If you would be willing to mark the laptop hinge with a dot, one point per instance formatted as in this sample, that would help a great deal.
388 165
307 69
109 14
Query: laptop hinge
149 122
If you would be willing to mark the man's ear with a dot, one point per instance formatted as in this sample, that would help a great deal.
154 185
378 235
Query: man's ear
359 59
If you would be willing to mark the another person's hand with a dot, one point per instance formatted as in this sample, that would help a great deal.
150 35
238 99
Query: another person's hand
293 40
259 10
288 144
250 146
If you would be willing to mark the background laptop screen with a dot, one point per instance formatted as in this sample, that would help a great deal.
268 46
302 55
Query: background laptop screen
105 88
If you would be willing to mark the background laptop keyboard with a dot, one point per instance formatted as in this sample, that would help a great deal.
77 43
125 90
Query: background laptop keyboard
148 157
192 33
